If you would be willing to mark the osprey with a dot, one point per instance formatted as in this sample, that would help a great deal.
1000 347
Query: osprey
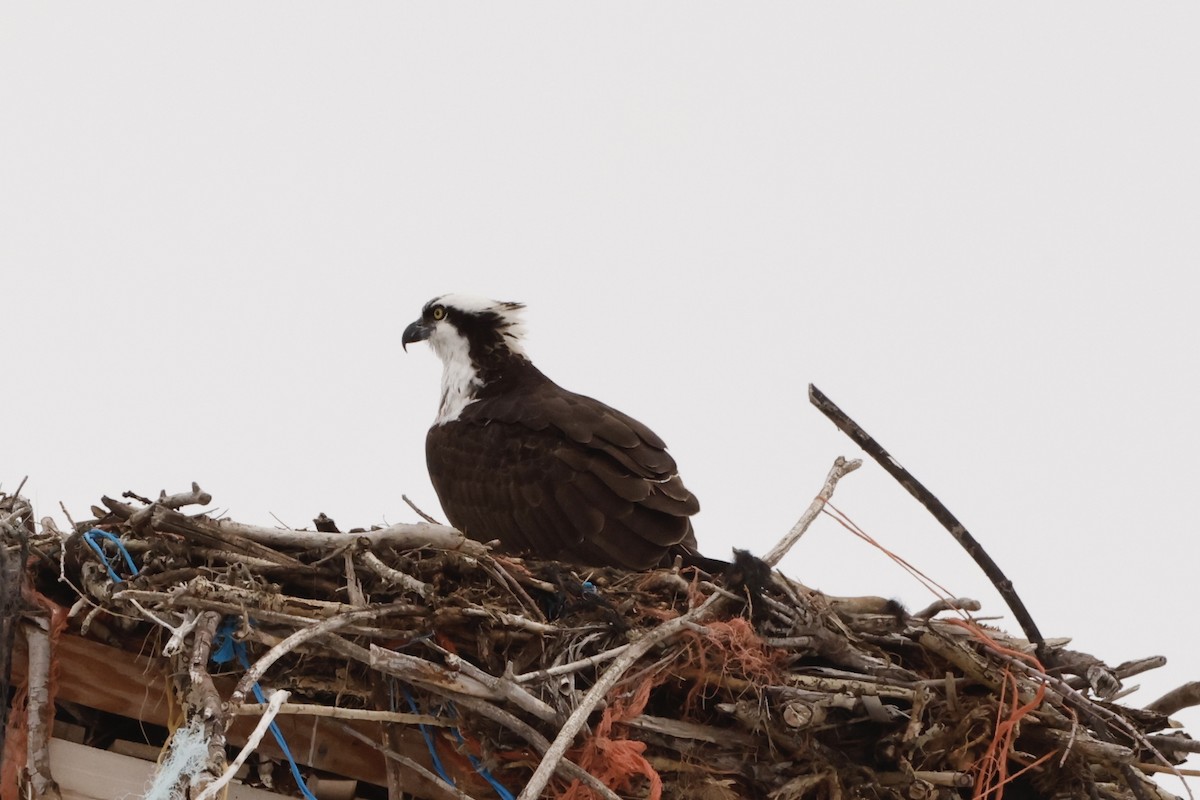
513 456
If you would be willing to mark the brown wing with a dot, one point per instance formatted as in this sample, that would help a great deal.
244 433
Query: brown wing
561 476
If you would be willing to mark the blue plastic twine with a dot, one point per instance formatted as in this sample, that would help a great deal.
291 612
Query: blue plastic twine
229 648
90 538
501 790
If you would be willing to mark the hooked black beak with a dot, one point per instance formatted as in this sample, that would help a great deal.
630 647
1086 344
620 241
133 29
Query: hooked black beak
414 333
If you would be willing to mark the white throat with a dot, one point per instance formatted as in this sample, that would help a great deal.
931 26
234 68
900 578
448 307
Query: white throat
460 380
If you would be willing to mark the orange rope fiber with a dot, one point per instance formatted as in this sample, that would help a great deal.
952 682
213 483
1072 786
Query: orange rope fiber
617 762
992 767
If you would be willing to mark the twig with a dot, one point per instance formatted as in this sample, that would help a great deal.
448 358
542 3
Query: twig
406 536
959 780
841 468
498 572
237 607
1175 743
573 666
942 514
278 698
446 789
354 590
514 620
395 576
420 513
1102 719
1127 669
1178 698
948 604
178 632
566 735
212 533
504 687
202 699
335 712
440 679
277 652
567 767
196 496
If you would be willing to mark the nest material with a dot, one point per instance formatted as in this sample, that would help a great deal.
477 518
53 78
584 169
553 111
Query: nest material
589 683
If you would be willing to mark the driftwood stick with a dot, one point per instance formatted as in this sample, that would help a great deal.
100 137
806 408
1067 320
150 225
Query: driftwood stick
336 712
202 700
841 468
567 767
942 514
39 711
237 607
573 666
566 735
504 687
958 780
1178 698
14 554
444 789
1127 669
405 536
196 497
394 576
215 533
1104 721
289 644
948 604
459 679
420 513
278 698
178 632
382 697
1175 743
497 571
354 590
510 620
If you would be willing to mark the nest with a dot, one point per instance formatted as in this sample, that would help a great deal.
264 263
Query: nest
453 671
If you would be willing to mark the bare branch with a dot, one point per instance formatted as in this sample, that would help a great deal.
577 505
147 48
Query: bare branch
575 722
841 468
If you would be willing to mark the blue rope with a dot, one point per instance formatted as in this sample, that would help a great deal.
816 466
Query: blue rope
229 648
501 790
90 538
427 734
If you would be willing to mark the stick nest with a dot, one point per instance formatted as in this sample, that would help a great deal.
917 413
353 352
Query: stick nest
710 689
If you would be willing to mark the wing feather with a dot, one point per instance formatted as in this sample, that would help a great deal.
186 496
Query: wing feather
563 476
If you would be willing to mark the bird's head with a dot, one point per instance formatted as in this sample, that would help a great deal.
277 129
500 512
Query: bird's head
460 326
479 342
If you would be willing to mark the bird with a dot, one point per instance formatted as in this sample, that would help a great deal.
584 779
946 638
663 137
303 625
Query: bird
549 473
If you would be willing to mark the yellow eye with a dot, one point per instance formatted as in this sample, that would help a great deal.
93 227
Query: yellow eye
439 312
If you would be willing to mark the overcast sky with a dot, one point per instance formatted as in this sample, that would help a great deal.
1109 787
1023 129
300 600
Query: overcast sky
974 227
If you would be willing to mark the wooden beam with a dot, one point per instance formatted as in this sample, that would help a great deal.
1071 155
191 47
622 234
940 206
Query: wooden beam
109 679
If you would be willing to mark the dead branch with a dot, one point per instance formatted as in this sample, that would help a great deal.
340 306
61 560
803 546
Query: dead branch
841 468
575 722
444 789
394 576
202 702
278 698
942 514
335 712
39 711
1177 699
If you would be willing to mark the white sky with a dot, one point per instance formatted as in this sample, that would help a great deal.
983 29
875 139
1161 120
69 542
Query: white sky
975 228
